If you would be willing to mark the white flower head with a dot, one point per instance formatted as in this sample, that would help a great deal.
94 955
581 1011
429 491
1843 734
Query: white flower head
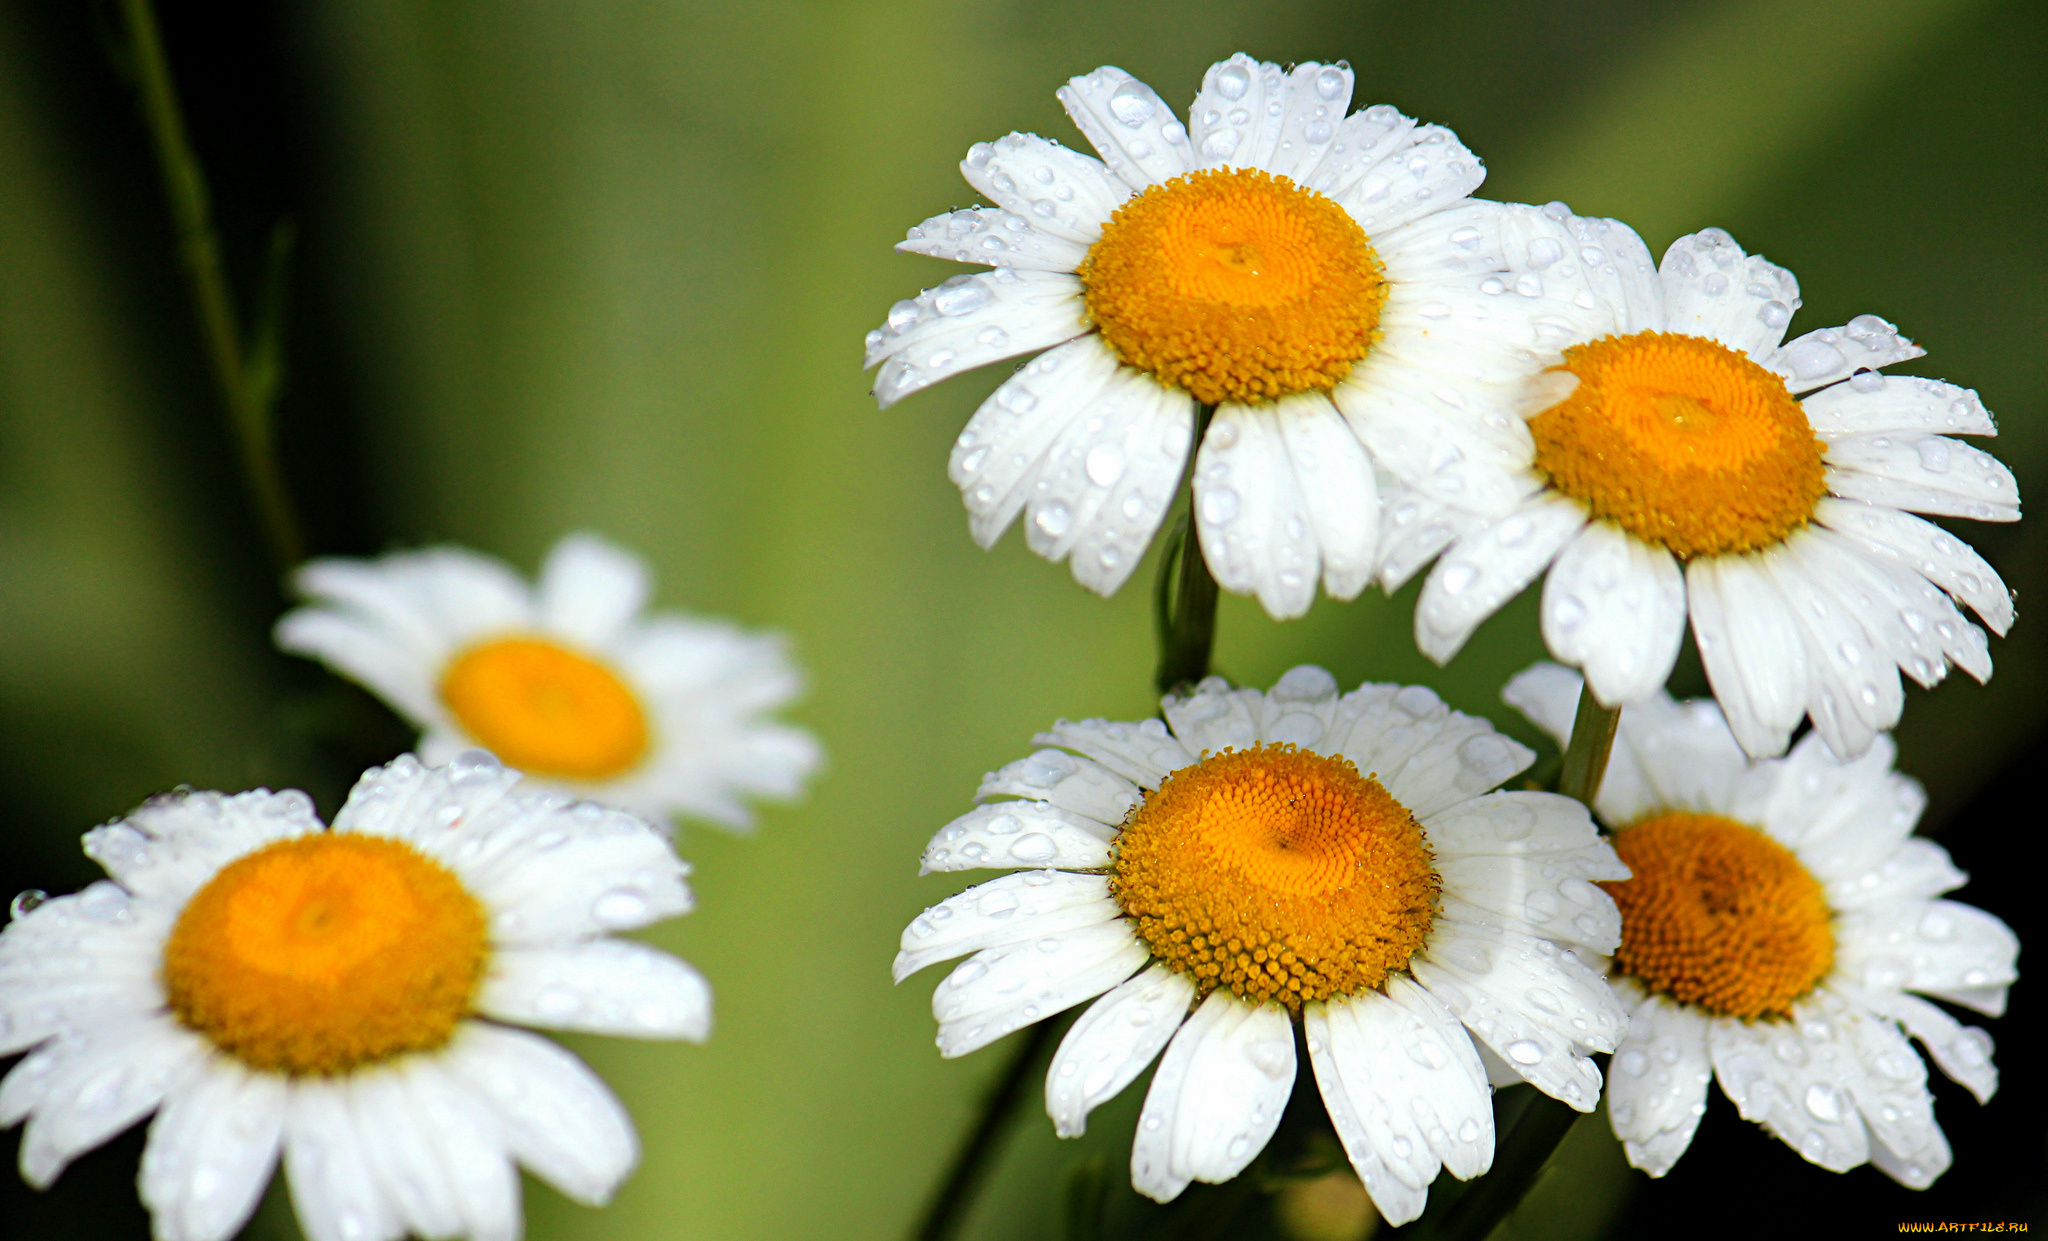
568 681
1263 858
1322 279
337 998
1780 917
1693 466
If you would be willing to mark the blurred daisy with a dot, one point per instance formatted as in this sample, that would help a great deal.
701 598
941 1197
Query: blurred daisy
1242 862
1677 472
266 986
1779 915
567 682
1322 280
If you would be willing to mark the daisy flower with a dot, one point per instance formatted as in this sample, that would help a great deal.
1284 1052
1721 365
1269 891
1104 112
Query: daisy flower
1262 860
1780 916
270 988
569 682
1321 280
1693 466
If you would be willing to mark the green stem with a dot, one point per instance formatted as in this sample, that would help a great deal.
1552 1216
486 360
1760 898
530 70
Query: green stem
1527 1147
1187 627
248 391
1585 756
948 1210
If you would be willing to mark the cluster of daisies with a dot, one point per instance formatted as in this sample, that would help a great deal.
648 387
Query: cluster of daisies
348 999
1298 316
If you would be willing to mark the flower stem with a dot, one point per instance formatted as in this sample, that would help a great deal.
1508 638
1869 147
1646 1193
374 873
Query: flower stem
249 373
1542 1126
948 1211
1187 621
1585 757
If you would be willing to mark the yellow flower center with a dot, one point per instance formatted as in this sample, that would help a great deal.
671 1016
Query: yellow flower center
1236 286
1277 873
323 953
546 709
1682 442
1720 916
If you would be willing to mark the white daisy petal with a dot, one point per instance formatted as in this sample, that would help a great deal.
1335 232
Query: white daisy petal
1144 752
970 321
1792 1078
1355 1046
1081 785
1929 946
1413 529
998 456
338 1194
994 236
1954 478
1137 135
1456 966
1397 1200
1338 491
435 598
458 1130
1235 119
400 672
1427 434
1007 910
1362 141
1251 513
1019 171
1872 403
1926 548
590 589
1112 1043
1752 647
1915 619
1019 833
1962 1052
1916 870
1317 97
1432 172
1460 759
1657 1084
606 986
1217 1096
1831 355
1485 569
42 993
1712 289
85 1086
998 990
211 1150
554 1114
1087 497
165 849
1518 823
1550 900
1854 693
1890 1090
1615 606
1214 717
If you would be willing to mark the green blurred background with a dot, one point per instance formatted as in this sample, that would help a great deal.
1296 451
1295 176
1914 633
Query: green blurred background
607 264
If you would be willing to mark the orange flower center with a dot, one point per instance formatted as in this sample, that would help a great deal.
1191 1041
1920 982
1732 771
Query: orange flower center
1682 442
545 709
1277 873
323 953
1720 916
1235 285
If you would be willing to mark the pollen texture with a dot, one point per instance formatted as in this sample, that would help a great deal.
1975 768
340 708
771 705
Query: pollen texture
1235 285
1277 874
1720 916
1682 442
543 708
324 953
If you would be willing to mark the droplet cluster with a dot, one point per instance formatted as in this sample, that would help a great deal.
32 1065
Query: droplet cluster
1276 873
1235 285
